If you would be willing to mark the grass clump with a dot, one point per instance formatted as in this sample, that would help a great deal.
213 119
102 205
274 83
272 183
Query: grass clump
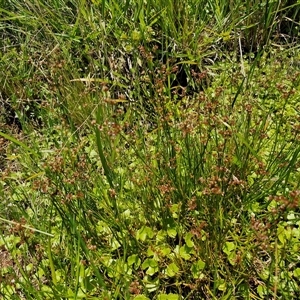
149 150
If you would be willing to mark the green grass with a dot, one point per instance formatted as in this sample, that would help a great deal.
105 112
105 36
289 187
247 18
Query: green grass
149 149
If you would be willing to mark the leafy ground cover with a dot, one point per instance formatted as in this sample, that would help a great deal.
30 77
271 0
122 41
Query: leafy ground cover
149 149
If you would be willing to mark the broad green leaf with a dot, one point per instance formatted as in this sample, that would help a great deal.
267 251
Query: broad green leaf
168 297
264 274
184 252
229 247
171 228
144 232
197 268
281 234
232 258
141 297
291 216
296 272
151 285
29 267
172 270
222 285
172 232
151 265
188 239
151 271
150 251
261 290
175 209
161 236
165 250
40 273
115 244
134 260
272 205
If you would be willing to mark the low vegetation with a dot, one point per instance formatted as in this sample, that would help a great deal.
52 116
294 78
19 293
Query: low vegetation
149 149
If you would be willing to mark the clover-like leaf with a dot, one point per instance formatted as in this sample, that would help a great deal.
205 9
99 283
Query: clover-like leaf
151 265
184 252
168 297
197 268
134 260
172 270
144 232
229 247
188 239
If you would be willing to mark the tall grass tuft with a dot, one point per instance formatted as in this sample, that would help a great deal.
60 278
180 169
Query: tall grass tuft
149 150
